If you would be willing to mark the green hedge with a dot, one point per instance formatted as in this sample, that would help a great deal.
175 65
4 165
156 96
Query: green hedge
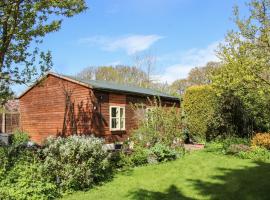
201 108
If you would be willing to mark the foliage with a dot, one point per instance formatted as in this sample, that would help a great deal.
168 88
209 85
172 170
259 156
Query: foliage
127 75
21 175
197 76
214 147
120 161
142 155
261 140
118 74
19 137
201 108
157 124
139 156
245 64
234 143
228 145
236 148
76 162
236 119
163 153
256 153
24 24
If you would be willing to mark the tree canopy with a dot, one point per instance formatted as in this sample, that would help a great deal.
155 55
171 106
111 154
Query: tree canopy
120 74
245 57
197 76
23 24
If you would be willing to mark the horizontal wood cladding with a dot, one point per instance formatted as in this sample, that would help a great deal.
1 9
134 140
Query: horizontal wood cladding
44 110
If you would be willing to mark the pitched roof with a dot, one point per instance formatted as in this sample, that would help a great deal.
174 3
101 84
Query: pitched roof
110 86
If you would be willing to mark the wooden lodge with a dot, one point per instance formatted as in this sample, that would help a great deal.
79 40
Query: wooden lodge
59 105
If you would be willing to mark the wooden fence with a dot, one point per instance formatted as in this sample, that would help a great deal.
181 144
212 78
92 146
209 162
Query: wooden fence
9 122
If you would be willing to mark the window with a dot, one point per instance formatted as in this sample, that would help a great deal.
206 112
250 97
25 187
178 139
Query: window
117 118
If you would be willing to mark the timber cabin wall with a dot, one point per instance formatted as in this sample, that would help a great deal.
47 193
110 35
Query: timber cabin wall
43 109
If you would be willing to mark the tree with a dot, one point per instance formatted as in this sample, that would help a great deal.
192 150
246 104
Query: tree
197 76
120 74
180 85
146 62
202 75
23 24
245 57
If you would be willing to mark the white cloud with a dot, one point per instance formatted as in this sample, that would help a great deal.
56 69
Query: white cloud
131 44
185 61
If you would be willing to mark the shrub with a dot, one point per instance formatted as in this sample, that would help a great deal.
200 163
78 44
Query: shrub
76 162
162 153
157 124
232 143
22 176
139 156
120 160
19 137
214 146
256 153
26 181
229 145
261 140
202 116
236 148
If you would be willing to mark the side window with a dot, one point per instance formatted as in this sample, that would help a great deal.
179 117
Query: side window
117 118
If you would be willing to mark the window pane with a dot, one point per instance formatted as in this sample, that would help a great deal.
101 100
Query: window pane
122 114
122 123
114 112
115 123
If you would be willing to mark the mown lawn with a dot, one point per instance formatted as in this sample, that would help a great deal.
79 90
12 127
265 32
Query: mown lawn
200 175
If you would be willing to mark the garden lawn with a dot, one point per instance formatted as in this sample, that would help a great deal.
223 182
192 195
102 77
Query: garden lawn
199 175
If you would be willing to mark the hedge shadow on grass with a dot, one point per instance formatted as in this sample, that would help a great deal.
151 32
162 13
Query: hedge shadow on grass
241 184
172 193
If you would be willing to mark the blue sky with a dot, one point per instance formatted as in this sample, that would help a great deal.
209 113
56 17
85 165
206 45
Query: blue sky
181 34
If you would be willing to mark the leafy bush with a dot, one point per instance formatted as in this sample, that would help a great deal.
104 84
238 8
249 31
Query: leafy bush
261 140
76 162
19 137
139 156
143 155
256 153
157 124
162 153
202 116
120 160
214 146
236 148
231 144
21 175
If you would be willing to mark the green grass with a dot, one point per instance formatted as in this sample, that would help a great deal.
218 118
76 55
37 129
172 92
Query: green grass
200 175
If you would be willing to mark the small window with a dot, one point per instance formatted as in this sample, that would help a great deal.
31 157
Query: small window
117 118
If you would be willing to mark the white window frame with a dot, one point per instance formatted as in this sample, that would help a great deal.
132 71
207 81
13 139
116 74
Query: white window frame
119 118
